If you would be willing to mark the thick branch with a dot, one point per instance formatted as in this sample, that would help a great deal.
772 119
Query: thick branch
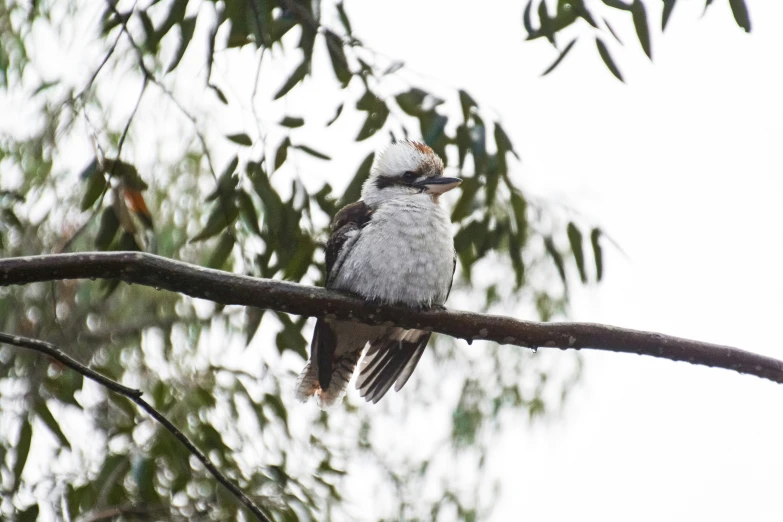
134 395
232 289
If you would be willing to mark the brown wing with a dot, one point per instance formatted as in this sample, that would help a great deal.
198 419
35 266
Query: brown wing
344 231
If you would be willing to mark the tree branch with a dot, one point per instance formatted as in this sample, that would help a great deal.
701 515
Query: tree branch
233 289
135 396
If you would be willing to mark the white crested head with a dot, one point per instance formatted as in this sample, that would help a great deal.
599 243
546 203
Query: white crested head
405 168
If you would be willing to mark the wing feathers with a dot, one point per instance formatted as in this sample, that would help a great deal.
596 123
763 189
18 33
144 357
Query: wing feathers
391 358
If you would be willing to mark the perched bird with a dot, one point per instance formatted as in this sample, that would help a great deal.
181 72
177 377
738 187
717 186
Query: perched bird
394 246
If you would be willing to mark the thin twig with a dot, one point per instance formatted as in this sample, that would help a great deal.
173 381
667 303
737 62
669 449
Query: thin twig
233 289
135 396
65 359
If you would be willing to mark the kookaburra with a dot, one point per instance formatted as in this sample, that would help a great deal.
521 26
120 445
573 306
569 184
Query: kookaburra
395 247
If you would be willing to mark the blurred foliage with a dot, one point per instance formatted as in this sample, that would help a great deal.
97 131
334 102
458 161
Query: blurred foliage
594 17
126 150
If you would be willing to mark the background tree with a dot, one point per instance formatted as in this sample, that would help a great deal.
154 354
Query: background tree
254 199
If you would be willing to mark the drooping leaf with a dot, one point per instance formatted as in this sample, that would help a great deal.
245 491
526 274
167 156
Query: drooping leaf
339 60
556 256
467 103
668 7
595 236
297 76
741 15
607 58
336 115
96 184
344 18
43 413
187 27
247 210
466 203
639 15
221 252
411 101
223 215
22 451
581 10
575 239
28 515
219 93
611 30
312 152
560 57
282 153
241 139
373 123
292 122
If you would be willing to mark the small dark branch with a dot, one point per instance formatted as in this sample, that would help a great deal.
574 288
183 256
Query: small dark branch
66 360
232 289
135 396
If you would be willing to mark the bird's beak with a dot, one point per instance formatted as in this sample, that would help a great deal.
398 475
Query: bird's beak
439 185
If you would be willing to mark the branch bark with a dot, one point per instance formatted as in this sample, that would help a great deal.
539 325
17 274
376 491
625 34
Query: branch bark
233 289
135 396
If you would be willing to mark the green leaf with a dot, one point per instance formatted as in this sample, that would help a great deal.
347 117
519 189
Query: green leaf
107 229
334 45
374 122
221 252
292 122
90 170
556 257
411 101
560 57
175 16
151 38
247 210
608 26
219 93
312 152
607 58
467 103
337 115
22 451
354 189
741 15
344 18
575 238
253 318
43 413
503 142
297 76
96 184
28 515
639 15
278 407
466 203
241 139
547 28
668 7
222 216
282 153
519 206
595 236
187 27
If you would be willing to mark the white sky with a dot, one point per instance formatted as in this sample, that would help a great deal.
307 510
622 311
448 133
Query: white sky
683 167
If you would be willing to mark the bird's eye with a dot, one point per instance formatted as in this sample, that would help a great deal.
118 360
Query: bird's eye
409 176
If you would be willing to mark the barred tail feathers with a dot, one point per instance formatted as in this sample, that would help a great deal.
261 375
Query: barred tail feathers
308 385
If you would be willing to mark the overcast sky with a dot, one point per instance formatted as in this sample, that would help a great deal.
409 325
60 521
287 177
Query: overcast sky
682 165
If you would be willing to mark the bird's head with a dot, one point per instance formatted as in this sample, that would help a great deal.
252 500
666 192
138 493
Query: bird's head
406 168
